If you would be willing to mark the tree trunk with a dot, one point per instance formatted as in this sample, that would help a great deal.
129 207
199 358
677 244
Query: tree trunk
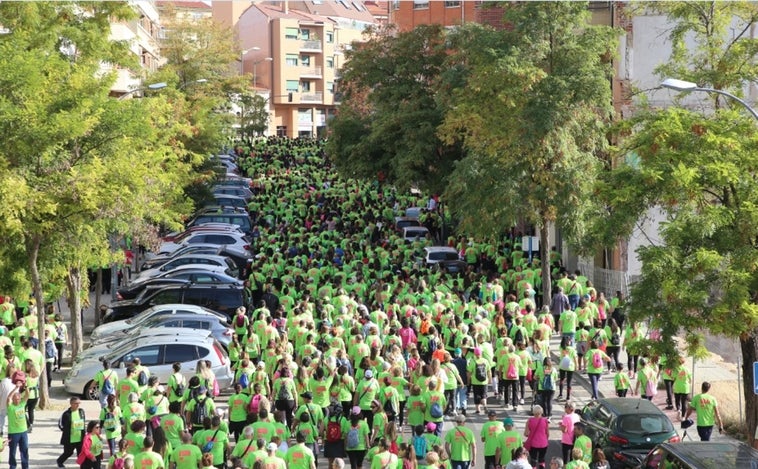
98 295
749 344
32 253
545 263
74 300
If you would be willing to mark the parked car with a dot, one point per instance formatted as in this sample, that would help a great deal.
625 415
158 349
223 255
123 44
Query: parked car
210 227
115 327
451 267
621 424
219 327
211 261
435 254
239 191
227 238
221 298
415 233
228 201
726 454
158 354
241 220
186 275
403 222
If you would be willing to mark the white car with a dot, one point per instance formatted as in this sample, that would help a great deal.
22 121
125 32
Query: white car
208 261
226 238
435 254
158 353
415 233
115 327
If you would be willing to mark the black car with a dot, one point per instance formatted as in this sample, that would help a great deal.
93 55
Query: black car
224 299
243 260
622 424
181 276
727 454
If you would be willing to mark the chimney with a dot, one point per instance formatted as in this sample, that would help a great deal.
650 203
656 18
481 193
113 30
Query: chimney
286 7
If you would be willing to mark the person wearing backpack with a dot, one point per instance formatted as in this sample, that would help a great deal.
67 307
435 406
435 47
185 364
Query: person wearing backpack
383 458
285 395
390 399
546 378
141 374
197 408
596 360
241 323
647 381
508 368
335 432
460 444
357 438
111 420
117 458
106 381
434 405
479 375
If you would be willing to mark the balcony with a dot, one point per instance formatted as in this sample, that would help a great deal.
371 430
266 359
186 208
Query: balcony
310 46
316 97
311 72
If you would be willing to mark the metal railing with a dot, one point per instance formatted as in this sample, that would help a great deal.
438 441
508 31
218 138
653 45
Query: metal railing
311 45
311 72
316 97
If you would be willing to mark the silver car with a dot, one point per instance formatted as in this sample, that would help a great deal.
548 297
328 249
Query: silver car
158 353
117 327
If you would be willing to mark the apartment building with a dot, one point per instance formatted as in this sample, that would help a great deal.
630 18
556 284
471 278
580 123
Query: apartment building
142 35
406 15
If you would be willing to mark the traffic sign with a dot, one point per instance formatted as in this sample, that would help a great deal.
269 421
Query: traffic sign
755 377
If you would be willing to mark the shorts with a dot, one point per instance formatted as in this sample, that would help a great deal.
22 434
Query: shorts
480 393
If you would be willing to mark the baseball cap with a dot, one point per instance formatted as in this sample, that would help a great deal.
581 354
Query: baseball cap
307 395
491 413
272 447
202 389
431 426
477 351
368 374
460 418
356 410
457 351
508 422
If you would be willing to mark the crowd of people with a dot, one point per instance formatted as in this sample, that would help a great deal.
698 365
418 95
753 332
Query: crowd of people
355 350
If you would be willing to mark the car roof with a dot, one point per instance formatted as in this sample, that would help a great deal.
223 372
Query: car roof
415 228
625 405
214 257
440 249
722 454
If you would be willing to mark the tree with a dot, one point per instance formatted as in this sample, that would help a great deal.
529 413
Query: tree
82 165
391 108
253 114
533 116
700 171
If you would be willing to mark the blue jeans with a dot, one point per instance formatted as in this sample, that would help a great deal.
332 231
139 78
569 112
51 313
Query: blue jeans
594 380
573 301
461 398
21 441
460 464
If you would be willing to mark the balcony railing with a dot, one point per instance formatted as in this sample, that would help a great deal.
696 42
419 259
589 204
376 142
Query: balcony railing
311 45
311 72
316 97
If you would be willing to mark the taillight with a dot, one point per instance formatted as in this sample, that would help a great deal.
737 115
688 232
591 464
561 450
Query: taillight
220 354
246 247
119 297
619 457
674 439
618 440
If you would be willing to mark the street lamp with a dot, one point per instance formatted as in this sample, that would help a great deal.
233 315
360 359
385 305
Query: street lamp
243 53
687 86
255 64
193 82
152 86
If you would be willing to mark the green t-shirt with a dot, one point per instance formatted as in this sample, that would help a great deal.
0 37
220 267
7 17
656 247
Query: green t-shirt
508 441
430 398
471 368
186 456
149 459
366 391
592 356
17 419
111 420
263 430
299 456
77 426
584 443
363 434
461 440
704 405
490 433
415 406
173 425
238 407
134 442
220 440
383 460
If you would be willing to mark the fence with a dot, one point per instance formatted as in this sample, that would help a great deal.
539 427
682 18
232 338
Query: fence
605 280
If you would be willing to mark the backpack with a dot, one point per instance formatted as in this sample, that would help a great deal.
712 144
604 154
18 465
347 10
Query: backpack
240 321
107 388
651 388
519 337
255 404
244 380
118 463
566 362
353 438
333 431
49 349
511 373
597 361
59 333
199 412
547 382
389 407
615 339
109 422
435 410
142 378
420 445
480 372
284 393
451 340
179 389
432 345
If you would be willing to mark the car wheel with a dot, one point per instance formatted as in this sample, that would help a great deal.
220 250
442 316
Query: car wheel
91 392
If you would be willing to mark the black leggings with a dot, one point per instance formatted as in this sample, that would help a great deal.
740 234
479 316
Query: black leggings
681 402
356 458
631 362
538 455
565 376
547 402
510 386
31 404
613 352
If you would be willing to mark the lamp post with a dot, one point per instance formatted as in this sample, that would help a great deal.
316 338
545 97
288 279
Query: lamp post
255 64
152 86
243 53
687 86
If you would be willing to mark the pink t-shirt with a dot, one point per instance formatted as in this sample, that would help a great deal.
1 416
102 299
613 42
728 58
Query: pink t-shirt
537 432
568 422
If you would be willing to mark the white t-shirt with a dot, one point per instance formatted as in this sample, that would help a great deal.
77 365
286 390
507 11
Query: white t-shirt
6 386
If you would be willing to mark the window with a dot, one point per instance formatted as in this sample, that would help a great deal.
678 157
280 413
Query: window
358 6
166 297
293 85
305 60
291 60
329 37
344 4
172 323
330 86
396 5
452 4
219 239
317 2
281 130
305 34
203 278
149 355
196 324
290 33
305 86
330 62
180 353
420 4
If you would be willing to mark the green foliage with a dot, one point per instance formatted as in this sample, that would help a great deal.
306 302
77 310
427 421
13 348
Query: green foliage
393 103
253 115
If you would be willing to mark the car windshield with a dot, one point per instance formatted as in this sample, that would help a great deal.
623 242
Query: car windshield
644 424
443 256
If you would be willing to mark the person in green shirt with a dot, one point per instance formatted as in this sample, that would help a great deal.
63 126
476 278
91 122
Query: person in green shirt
238 403
582 443
707 409
596 360
576 460
507 442
106 374
682 386
490 435
92 447
135 437
176 384
479 375
173 424
219 439
71 425
434 401
185 455
17 426
300 456
383 457
148 457
460 444
272 461
357 437
621 381
365 393
111 420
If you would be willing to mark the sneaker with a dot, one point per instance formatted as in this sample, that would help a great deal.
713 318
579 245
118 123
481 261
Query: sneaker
521 401
559 398
31 427
61 466
670 407
515 408
463 411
